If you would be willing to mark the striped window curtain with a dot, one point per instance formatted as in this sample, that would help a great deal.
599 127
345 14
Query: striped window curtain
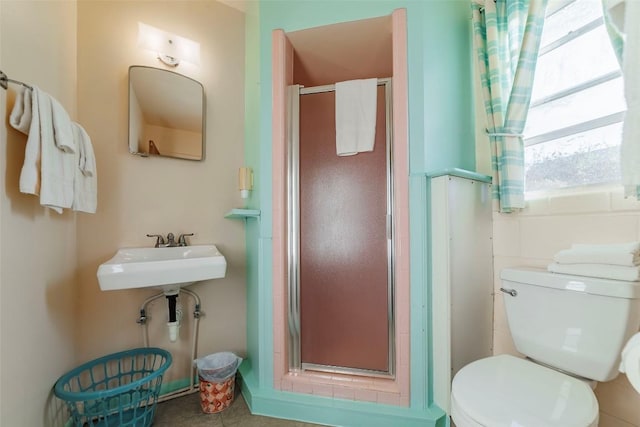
506 42
622 19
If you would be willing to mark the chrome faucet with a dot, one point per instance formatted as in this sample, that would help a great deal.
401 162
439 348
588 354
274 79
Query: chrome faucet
170 242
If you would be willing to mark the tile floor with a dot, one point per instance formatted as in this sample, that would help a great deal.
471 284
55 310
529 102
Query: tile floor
185 411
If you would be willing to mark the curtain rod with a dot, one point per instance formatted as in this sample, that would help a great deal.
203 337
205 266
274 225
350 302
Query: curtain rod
329 88
4 80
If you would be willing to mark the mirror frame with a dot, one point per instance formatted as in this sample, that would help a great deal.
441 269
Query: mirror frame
204 116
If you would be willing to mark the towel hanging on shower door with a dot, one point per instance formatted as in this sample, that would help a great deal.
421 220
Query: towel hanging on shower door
355 116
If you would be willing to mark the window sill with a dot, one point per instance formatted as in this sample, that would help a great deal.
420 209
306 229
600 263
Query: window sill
601 199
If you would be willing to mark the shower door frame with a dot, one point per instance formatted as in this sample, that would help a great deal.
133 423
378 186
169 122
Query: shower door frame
293 235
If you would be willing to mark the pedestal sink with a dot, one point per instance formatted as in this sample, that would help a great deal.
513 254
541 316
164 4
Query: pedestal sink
165 268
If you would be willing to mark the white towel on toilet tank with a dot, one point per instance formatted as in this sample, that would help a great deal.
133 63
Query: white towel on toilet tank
603 271
625 254
356 102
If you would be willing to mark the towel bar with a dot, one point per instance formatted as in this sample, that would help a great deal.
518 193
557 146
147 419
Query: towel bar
4 81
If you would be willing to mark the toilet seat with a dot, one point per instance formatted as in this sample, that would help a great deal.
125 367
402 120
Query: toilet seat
508 391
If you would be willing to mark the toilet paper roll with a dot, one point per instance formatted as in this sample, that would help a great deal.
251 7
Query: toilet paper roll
630 363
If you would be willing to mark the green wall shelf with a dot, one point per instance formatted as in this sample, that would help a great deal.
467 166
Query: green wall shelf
237 213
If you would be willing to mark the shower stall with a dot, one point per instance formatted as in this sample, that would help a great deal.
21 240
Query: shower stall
340 224
340 247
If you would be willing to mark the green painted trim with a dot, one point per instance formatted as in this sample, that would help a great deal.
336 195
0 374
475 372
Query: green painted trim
432 26
419 270
418 91
252 232
329 411
461 173
265 314
252 97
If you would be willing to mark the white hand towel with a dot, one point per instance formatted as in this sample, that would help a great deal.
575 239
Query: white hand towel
626 254
47 171
21 113
87 160
85 195
356 102
62 131
25 117
615 272
57 168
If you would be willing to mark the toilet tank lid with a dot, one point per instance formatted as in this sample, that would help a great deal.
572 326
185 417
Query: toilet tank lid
590 285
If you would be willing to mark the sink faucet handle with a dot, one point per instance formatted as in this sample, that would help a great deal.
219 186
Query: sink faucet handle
171 240
159 239
182 241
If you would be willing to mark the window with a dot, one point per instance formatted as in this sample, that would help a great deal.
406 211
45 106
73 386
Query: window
574 127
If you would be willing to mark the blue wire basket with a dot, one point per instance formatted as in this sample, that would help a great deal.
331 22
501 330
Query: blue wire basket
119 389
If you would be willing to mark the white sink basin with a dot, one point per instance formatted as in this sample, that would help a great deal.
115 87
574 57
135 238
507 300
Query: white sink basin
166 268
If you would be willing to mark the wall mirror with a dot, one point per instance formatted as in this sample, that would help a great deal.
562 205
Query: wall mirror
166 114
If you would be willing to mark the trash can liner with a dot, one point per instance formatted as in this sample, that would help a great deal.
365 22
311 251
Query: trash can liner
218 367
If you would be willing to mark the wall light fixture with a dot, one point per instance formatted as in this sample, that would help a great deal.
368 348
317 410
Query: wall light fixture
171 49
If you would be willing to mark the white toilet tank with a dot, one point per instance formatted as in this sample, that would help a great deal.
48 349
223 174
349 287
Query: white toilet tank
577 324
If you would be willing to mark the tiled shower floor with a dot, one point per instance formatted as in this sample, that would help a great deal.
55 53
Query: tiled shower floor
185 411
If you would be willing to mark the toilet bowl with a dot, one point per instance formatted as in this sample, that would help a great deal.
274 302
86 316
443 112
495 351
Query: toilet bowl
517 392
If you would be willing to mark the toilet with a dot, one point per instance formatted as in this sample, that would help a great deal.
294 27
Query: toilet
572 330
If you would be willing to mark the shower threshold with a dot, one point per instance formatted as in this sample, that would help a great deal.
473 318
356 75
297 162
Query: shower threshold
347 370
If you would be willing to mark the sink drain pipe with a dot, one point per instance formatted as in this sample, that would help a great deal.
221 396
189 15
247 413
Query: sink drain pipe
173 325
143 319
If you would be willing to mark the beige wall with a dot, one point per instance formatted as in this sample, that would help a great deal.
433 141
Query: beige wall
53 314
158 195
535 235
38 255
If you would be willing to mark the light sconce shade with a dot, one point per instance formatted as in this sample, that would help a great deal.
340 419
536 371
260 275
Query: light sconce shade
245 181
171 49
